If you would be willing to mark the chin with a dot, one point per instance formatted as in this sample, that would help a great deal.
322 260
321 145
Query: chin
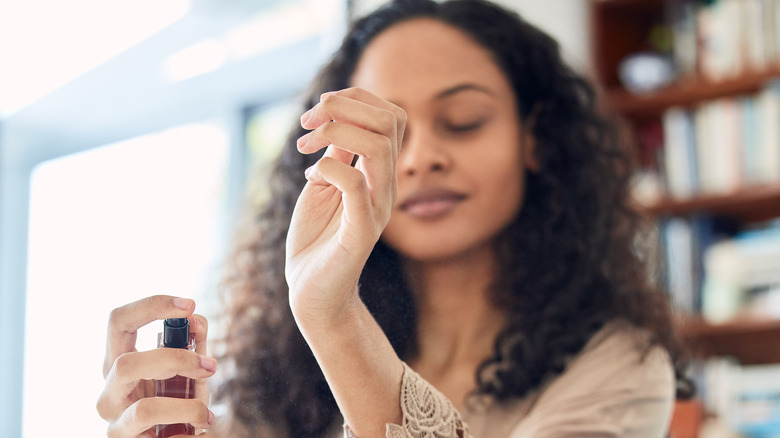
426 251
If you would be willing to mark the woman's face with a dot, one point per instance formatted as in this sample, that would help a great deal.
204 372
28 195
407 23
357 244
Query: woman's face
460 178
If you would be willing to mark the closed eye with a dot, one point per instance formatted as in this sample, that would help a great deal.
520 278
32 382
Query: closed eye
463 127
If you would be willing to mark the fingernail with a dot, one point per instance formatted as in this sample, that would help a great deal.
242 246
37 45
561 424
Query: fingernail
308 171
183 303
329 93
305 117
211 417
208 363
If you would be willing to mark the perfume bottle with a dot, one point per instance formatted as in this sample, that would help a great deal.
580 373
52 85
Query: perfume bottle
175 334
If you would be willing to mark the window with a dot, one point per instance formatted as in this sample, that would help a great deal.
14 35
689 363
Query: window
107 227
79 207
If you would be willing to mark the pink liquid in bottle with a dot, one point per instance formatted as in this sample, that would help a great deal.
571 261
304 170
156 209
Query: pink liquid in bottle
176 334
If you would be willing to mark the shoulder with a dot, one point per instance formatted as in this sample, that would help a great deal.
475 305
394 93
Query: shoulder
618 385
620 351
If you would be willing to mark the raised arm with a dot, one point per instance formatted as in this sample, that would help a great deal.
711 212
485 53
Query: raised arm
338 219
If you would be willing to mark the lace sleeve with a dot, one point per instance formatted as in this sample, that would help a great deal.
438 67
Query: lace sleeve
427 413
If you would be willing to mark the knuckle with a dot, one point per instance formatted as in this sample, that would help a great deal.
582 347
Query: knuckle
328 102
387 120
322 164
113 431
400 116
141 411
357 181
115 316
327 130
352 92
102 407
387 146
121 364
151 301
181 355
202 322
382 148
202 412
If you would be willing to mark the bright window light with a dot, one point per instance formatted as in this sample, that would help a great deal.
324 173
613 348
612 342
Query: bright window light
44 44
273 28
202 57
282 26
107 227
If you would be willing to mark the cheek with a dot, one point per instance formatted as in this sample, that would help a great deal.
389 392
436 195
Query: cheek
503 179
507 191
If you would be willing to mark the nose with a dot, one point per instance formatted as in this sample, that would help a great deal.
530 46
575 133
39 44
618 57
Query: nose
422 152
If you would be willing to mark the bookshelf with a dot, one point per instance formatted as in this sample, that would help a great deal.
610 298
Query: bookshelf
705 79
753 341
621 27
686 93
749 204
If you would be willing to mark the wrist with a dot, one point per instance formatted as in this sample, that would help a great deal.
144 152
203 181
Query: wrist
329 317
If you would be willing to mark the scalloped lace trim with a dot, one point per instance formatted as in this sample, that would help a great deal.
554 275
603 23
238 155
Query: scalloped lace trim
427 413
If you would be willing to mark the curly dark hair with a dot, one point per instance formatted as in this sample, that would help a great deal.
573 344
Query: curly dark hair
572 254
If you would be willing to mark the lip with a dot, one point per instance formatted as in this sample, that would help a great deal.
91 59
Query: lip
431 203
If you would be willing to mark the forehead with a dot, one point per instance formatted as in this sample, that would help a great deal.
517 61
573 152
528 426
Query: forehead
420 57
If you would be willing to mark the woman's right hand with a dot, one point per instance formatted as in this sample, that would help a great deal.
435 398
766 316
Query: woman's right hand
128 400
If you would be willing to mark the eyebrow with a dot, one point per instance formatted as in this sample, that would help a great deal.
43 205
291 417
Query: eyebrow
463 87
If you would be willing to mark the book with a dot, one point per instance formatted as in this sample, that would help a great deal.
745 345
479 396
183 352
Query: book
768 115
739 269
744 398
682 16
736 36
679 263
680 153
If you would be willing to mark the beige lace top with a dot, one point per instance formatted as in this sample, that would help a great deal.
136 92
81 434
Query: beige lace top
609 390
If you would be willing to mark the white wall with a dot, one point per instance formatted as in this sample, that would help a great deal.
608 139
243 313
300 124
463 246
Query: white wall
566 20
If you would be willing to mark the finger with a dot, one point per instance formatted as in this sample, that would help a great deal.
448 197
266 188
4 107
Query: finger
336 153
161 364
146 413
200 435
340 108
352 185
340 155
369 98
349 138
131 369
376 152
200 326
125 321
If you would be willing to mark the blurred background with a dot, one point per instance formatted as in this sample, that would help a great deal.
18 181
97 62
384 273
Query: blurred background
131 133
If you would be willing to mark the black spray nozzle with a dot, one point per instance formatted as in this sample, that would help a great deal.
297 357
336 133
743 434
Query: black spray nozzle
176 332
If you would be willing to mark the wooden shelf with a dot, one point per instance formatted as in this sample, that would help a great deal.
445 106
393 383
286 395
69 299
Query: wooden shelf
686 93
750 204
631 3
751 341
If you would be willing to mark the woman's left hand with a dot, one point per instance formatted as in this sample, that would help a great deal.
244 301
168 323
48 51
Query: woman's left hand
343 209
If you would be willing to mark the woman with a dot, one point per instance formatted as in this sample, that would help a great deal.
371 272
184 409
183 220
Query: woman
459 262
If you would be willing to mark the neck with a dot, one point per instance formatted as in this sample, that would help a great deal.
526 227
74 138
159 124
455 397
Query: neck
457 321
